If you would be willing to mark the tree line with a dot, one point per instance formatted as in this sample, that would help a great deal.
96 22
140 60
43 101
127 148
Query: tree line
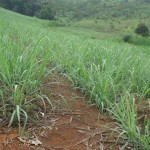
53 9
45 9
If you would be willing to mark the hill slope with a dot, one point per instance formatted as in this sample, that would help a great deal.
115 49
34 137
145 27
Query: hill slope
113 74
78 9
113 9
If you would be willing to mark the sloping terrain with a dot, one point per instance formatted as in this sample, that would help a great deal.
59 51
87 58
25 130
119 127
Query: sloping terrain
111 74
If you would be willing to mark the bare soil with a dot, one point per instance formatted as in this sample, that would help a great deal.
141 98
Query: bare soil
72 124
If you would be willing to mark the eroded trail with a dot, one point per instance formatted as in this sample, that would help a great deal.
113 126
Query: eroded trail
73 124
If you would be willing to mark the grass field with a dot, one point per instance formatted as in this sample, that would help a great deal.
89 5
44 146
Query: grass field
113 74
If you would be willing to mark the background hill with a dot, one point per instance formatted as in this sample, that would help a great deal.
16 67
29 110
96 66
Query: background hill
79 9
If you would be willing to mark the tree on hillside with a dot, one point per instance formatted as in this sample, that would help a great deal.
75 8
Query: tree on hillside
46 12
142 30
27 7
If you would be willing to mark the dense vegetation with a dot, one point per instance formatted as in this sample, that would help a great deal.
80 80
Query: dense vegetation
112 73
77 9
142 30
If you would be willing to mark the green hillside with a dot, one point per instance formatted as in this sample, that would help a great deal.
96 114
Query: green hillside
113 74
79 9
114 9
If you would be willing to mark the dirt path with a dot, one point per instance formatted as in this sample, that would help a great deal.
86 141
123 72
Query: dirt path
72 125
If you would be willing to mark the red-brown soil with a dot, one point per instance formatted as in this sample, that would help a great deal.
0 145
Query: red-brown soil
73 124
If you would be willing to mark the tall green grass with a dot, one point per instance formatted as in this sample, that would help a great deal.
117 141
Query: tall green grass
125 112
107 71
104 68
139 40
23 62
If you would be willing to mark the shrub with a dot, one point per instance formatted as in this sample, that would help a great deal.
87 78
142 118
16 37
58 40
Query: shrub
142 30
46 12
127 38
